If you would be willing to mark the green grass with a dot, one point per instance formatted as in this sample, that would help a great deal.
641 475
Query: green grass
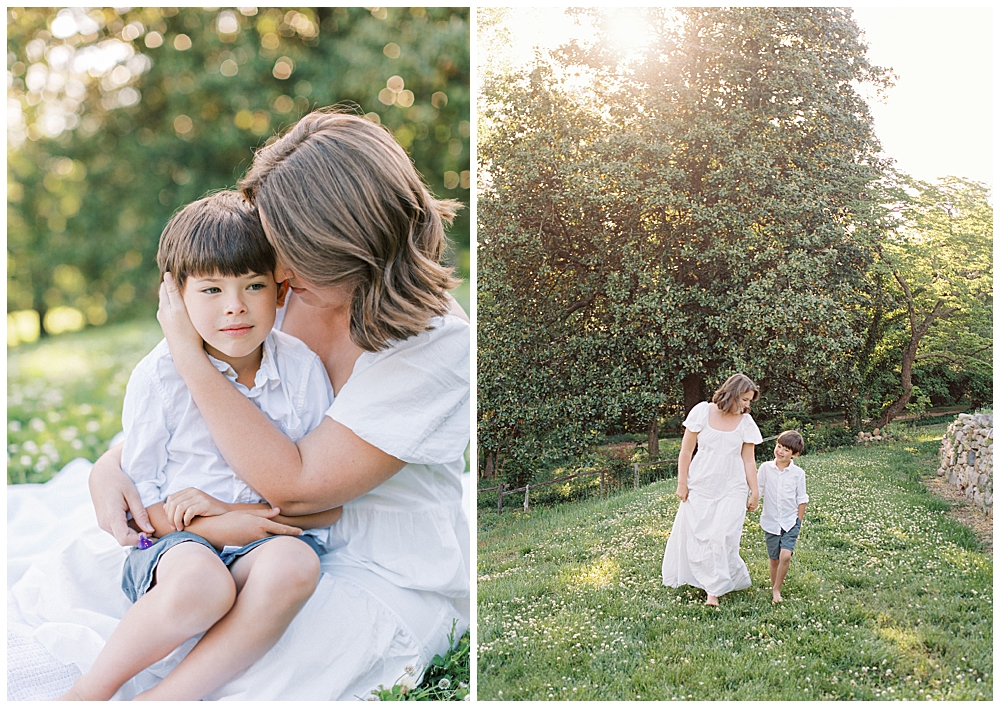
887 597
64 396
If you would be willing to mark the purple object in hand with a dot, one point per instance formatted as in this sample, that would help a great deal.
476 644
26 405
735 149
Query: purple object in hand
144 542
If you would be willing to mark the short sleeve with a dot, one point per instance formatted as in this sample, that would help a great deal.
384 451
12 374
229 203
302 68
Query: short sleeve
751 433
144 423
697 418
412 400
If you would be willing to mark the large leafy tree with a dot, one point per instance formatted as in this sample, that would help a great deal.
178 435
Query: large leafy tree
706 206
938 269
123 116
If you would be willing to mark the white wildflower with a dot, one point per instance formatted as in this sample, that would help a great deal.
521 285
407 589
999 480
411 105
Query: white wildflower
407 683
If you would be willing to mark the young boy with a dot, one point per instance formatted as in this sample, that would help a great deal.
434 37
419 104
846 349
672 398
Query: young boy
183 584
783 489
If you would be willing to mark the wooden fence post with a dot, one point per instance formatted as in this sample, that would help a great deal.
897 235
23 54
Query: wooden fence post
500 498
526 497
602 483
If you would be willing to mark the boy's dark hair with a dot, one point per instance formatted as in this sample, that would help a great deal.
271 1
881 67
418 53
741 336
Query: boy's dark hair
792 440
220 234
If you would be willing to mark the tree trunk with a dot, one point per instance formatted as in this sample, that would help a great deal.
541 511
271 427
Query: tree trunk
42 311
490 469
692 391
917 331
654 438
852 410
906 380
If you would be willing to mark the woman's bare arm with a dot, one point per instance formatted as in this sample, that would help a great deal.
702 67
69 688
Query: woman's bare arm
750 468
325 469
113 493
318 520
688 443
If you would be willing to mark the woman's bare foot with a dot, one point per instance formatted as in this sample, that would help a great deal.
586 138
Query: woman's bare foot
776 596
712 601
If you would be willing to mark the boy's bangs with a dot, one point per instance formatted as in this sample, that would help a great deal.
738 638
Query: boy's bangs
227 252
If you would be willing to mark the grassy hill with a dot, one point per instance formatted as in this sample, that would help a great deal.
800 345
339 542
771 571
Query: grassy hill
887 597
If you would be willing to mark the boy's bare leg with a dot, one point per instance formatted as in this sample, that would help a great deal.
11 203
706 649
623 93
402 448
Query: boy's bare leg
193 590
273 582
784 559
773 569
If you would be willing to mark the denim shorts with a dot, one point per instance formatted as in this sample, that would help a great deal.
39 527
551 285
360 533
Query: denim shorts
785 539
138 574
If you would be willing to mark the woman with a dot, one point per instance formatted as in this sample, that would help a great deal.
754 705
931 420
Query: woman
703 549
359 239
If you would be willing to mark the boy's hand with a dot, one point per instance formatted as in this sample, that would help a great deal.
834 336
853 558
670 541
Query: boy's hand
183 506
682 491
753 501
242 526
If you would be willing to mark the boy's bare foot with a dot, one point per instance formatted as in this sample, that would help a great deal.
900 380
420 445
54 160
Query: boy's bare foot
776 597
712 601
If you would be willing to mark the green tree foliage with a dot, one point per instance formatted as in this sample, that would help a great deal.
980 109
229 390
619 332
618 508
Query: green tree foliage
937 267
125 115
707 205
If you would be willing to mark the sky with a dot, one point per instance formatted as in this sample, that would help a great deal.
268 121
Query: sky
938 118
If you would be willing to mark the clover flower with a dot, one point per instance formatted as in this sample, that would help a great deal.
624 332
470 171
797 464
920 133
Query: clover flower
406 684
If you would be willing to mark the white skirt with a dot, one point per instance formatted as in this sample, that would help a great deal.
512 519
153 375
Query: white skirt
64 600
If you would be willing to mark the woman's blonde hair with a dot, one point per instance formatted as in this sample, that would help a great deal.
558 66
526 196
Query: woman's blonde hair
343 205
727 398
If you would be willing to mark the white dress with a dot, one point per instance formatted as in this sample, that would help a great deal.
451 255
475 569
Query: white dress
397 579
703 549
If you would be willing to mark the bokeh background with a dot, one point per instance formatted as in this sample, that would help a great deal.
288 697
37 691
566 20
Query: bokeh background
117 118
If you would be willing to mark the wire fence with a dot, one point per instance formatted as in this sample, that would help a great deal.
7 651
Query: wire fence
502 490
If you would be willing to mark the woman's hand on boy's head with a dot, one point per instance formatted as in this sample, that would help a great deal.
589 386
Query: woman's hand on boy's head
173 317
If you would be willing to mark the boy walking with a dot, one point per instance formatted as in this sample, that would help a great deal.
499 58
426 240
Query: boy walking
183 584
783 490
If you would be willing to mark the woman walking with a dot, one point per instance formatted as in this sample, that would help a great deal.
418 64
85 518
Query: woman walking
703 549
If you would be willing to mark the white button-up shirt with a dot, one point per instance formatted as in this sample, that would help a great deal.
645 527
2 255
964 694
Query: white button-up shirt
781 491
167 444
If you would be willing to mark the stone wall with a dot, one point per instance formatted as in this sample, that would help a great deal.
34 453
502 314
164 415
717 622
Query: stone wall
967 458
